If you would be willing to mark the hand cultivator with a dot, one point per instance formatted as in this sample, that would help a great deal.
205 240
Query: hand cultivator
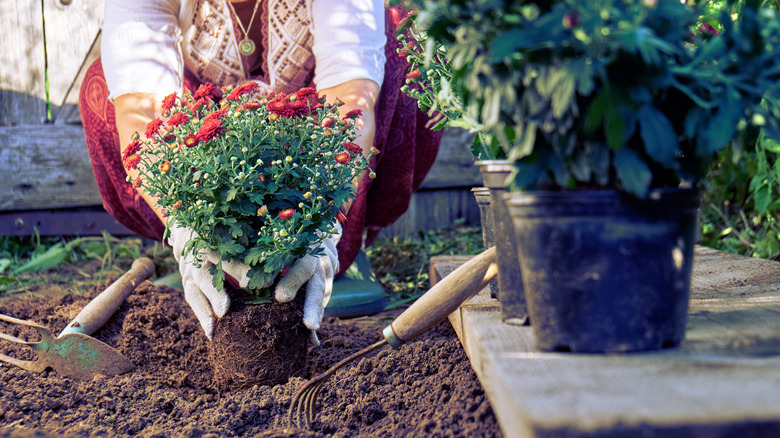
428 310
73 353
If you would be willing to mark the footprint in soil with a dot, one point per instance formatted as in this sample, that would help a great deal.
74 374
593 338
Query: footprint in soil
425 388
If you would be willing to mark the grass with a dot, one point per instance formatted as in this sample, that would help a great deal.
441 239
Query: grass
76 265
401 264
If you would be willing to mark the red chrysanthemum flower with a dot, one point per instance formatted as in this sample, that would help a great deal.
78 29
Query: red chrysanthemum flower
242 89
178 119
287 213
327 123
298 109
132 161
353 147
177 204
195 106
218 114
262 210
131 149
206 90
137 182
251 105
306 92
354 114
413 74
210 129
191 140
165 166
403 53
342 157
153 127
279 106
261 177
169 101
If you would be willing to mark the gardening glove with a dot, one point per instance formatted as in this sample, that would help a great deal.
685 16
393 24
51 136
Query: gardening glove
199 291
319 271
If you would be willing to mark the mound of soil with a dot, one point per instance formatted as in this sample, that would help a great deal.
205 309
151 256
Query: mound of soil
425 388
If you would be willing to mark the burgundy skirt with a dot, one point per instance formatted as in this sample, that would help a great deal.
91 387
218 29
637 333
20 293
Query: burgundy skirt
407 152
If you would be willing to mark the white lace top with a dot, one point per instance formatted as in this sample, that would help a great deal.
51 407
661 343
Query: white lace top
147 43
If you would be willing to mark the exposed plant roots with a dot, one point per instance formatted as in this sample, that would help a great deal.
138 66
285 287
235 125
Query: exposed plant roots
259 344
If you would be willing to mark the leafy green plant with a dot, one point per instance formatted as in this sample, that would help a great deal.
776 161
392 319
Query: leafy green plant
626 94
401 263
28 263
259 179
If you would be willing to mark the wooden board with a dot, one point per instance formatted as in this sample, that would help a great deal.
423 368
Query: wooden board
45 166
723 381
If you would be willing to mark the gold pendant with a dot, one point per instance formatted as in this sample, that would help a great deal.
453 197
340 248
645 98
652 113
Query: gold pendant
246 47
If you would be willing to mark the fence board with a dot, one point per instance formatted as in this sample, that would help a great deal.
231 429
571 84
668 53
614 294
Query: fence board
71 28
22 76
45 166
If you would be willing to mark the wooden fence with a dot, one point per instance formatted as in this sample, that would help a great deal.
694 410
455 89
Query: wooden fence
47 179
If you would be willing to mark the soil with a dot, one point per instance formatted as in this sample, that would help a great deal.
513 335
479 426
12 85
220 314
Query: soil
425 388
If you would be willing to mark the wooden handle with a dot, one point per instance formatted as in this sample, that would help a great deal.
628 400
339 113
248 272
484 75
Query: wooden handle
100 309
443 298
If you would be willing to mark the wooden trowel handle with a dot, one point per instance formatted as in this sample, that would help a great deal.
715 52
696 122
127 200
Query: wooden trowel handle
103 306
443 298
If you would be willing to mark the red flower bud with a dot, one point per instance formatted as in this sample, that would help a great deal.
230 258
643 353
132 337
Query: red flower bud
571 20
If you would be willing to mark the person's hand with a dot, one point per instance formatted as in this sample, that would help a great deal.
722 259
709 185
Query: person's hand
318 271
205 300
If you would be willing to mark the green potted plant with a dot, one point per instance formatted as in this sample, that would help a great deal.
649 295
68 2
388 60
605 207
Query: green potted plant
430 81
611 113
259 179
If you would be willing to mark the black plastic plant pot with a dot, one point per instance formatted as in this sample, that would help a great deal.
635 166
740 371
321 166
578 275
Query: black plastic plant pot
605 272
510 283
482 195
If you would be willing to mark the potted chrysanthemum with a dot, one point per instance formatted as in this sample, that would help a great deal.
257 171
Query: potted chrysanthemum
259 179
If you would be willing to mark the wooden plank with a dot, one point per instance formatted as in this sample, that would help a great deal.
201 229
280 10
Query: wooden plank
22 75
45 166
724 380
430 209
454 165
62 222
71 28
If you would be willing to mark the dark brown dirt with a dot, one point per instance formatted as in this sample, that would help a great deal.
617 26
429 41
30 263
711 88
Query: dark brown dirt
258 344
426 388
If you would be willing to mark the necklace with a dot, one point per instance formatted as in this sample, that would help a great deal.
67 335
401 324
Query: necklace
246 46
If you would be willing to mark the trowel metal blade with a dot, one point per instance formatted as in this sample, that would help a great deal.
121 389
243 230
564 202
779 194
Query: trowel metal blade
83 357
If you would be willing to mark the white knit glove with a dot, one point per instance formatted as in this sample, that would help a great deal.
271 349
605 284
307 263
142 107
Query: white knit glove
319 271
199 291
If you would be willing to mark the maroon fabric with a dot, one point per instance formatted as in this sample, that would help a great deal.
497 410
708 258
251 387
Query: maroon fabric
120 199
407 152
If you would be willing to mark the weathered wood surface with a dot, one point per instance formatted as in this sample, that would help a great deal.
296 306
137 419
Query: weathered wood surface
45 166
723 381
44 163
70 28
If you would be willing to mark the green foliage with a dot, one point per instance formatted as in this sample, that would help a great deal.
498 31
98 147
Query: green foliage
259 179
626 94
29 262
401 264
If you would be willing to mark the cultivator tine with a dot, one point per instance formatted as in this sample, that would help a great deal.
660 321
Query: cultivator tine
301 412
